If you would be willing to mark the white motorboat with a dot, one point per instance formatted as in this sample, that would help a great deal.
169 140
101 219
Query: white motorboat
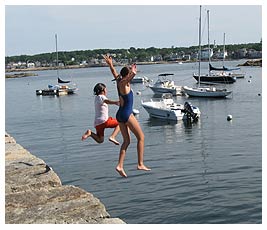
140 80
167 109
163 85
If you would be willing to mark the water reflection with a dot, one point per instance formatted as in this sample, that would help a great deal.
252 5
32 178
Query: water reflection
171 131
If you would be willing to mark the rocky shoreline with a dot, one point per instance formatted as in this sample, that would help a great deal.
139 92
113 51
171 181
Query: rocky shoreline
34 193
17 75
252 62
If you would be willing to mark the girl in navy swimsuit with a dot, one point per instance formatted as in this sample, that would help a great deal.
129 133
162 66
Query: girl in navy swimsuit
125 117
126 110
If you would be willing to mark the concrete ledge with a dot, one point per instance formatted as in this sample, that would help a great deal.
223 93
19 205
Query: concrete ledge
34 193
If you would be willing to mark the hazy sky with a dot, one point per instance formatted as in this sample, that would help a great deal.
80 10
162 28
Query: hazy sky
30 29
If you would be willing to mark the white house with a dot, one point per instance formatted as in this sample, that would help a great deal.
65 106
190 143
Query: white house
30 65
206 52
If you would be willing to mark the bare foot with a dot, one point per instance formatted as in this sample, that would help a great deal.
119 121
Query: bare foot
121 172
143 167
86 135
113 140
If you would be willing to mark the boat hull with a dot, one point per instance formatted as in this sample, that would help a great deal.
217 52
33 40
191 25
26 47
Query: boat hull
161 90
206 92
172 112
215 79
139 80
158 90
237 75
57 92
162 114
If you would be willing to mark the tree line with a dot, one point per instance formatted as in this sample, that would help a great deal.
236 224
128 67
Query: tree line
136 54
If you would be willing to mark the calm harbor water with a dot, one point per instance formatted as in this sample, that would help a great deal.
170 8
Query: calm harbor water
207 172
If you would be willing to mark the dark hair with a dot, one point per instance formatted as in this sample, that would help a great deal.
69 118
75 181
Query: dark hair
124 71
99 87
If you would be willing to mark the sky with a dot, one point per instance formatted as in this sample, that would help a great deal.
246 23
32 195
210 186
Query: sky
31 29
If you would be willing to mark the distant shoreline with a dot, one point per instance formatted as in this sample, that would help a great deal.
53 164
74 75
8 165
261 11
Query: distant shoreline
23 74
79 66
251 62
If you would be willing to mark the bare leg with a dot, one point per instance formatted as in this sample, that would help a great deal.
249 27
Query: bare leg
89 133
112 138
136 129
124 146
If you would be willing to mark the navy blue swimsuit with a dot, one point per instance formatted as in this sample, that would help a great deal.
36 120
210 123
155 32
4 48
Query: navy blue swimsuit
126 110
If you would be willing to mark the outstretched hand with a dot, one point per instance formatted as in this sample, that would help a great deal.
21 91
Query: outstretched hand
134 68
108 59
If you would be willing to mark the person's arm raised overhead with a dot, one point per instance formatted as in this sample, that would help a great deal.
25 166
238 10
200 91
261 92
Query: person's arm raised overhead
109 61
133 71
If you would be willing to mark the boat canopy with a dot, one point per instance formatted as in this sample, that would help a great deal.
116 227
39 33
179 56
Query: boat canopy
61 81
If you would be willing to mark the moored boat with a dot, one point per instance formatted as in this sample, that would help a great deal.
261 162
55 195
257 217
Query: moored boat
206 92
215 78
140 80
59 89
167 109
62 88
164 85
211 92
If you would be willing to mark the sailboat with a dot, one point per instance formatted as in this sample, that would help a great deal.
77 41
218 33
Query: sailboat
225 70
204 91
62 88
214 77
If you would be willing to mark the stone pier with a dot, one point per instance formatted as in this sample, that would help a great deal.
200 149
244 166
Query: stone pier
34 193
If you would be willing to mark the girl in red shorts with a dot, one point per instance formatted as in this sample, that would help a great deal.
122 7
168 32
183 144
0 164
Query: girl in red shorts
102 119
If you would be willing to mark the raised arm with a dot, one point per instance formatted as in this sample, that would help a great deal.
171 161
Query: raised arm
108 60
131 75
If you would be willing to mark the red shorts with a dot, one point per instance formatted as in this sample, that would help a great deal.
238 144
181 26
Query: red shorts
110 123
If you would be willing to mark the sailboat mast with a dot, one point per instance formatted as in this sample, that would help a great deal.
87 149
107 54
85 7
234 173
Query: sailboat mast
199 41
208 18
223 48
56 55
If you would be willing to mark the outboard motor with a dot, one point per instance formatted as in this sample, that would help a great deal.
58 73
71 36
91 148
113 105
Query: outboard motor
189 111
